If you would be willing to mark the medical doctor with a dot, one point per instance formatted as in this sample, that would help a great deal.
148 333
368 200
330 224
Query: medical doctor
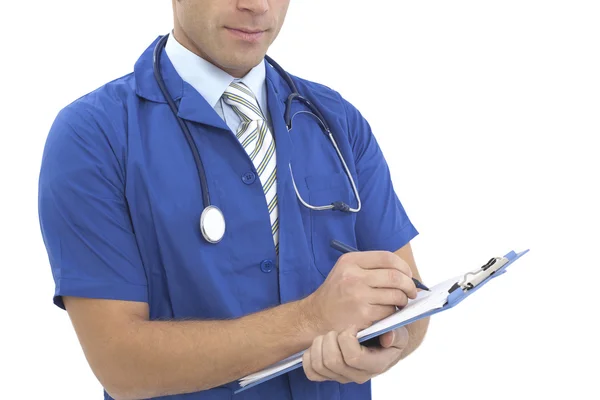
187 210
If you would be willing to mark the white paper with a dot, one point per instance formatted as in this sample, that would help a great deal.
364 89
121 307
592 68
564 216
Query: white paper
425 302
280 366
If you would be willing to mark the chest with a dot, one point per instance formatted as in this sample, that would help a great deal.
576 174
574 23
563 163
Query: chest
243 273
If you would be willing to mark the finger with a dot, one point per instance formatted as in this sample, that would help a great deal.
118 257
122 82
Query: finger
316 360
333 362
387 297
311 374
352 351
357 375
397 338
391 279
378 259
370 361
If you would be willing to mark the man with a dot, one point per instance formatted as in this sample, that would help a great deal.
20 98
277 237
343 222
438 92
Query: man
158 310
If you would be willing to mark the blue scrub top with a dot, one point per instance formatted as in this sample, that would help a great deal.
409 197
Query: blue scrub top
120 202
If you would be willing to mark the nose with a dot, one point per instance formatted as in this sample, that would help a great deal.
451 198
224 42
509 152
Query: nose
254 6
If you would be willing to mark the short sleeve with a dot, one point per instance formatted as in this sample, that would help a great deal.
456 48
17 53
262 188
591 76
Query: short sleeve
382 223
83 214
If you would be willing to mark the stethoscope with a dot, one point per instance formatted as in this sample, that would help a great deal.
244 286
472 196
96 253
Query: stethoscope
212 221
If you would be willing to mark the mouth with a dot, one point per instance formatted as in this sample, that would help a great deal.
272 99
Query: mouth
248 35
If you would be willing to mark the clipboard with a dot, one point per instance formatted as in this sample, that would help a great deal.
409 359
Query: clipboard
462 288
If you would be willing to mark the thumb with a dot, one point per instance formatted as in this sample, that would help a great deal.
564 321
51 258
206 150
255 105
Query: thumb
397 338
352 330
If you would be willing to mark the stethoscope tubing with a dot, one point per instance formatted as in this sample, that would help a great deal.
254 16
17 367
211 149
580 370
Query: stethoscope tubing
161 83
210 212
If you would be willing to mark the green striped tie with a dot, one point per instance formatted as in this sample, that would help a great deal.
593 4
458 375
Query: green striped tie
256 138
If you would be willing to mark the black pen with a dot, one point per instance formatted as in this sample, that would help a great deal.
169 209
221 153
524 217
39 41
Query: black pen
344 248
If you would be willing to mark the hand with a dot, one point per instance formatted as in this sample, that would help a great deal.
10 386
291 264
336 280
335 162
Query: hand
362 287
341 358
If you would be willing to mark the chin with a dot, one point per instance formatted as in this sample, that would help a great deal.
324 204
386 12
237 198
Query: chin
246 62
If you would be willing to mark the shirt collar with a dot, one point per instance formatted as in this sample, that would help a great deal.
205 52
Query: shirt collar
209 80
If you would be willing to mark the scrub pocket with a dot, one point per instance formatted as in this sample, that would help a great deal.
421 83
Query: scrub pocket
328 224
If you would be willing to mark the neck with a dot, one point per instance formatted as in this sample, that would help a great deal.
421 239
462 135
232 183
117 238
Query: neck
186 42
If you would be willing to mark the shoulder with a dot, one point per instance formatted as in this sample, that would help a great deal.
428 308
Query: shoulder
100 115
92 130
317 90
334 107
102 107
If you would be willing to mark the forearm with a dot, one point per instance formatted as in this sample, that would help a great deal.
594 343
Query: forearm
157 358
416 330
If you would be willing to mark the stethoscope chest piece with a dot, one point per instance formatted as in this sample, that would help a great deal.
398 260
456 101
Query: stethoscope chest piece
212 224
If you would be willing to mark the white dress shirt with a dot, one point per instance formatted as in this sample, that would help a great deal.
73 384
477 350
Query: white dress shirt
211 81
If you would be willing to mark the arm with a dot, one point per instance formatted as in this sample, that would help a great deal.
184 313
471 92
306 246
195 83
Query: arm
418 329
101 280
136 358
383 223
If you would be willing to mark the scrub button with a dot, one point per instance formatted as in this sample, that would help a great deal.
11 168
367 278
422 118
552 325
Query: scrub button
267 266
249 177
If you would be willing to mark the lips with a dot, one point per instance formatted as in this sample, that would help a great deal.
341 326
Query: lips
248 30
247 35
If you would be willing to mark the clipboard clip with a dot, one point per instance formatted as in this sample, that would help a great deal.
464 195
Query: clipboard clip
472 279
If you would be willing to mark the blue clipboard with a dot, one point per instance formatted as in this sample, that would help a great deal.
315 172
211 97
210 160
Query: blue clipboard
457 294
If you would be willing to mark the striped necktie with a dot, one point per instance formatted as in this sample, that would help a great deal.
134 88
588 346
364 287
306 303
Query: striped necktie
256 138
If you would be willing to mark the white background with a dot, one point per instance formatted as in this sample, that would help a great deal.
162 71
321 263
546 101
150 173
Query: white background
491 136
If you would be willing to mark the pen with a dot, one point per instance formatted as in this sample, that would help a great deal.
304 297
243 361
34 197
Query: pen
344 248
